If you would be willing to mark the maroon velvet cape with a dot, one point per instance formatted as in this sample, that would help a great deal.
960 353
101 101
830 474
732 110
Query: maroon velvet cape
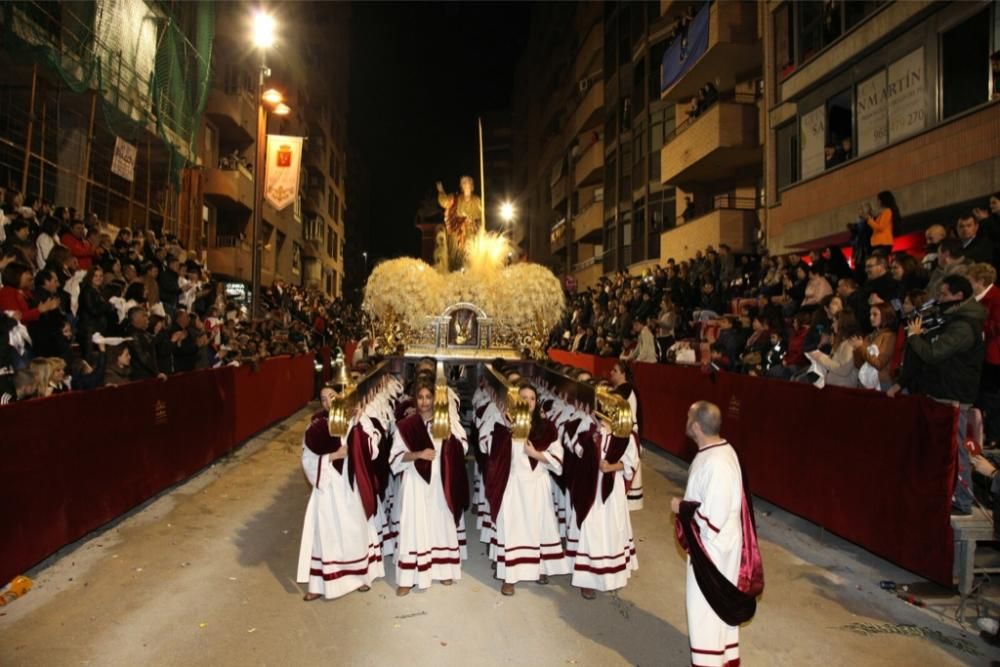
587 471
498 467
361 469
733 604
452 458
320 442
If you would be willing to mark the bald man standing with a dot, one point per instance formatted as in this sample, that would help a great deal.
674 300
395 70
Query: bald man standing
715 525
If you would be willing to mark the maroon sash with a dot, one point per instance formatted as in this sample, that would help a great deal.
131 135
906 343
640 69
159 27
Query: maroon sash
360 472
615 452
733 604
454 478
541 437
319 441
498 468
381 463
586 470
414 432
570 458
403 406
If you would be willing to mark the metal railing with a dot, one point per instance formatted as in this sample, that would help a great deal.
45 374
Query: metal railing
587 263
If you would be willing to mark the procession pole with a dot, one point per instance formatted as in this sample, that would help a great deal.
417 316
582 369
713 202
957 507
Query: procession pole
482 175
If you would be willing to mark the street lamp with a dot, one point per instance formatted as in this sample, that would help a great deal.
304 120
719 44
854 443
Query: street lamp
507 212
365 255
263 37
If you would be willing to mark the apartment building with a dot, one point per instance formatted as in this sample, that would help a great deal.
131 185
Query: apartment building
869 96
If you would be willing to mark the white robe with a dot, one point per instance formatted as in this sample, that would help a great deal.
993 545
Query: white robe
429 546
602 550
340 550
526 542
634 492
715 481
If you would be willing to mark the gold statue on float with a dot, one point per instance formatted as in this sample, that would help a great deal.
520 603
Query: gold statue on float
463 219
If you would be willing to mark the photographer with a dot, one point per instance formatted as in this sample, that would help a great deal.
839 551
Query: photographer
945 363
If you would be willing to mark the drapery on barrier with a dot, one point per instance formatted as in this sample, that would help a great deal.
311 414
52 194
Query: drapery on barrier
874 470
596 366
75 461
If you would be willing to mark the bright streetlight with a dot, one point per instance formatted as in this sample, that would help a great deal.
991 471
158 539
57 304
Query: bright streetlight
263 29
507 212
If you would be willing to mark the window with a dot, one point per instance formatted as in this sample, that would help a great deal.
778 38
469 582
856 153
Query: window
660 123
329 201
296 258
329 241
610 127
333 166
639 154
611 180
787 158
965 64
335 250
839 129
626 228
655 61
610 244
639 83
609 48
803 29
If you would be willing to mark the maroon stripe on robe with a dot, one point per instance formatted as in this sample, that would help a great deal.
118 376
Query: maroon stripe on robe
361 471
541 436
319 441
498 468
734 604
417 439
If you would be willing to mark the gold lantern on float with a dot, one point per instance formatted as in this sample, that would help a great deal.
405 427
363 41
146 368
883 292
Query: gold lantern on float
340 406
441 424
615 410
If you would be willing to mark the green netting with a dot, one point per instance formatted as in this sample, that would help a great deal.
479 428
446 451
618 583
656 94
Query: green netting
150 66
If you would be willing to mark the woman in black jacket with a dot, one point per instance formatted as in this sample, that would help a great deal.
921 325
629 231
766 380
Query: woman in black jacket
95 314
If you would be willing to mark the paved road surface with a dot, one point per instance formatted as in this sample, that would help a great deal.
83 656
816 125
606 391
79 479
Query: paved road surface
204 575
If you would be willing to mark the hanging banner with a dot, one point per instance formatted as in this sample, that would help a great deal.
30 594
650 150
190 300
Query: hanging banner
123 162
686 50
905 91
812 138
281 176
873 114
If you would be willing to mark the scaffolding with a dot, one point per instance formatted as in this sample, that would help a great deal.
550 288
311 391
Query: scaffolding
81 75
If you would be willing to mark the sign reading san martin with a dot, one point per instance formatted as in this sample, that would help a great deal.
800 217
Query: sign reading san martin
892 104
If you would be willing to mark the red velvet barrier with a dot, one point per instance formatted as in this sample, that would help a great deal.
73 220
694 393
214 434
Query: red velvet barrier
596 366
876 471
277 388
73 462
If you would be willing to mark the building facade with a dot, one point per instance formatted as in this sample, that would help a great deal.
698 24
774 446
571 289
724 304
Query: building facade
84 79
872 96
302 244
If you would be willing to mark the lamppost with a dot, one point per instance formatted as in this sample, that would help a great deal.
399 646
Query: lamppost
263 39
507 212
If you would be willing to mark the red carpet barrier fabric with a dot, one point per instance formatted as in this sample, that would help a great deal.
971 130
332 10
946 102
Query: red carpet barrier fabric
73 462
877 471
597 366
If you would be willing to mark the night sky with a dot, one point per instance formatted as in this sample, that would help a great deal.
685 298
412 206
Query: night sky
421 73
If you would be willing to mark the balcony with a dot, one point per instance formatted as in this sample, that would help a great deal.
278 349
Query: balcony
733 51
230 256
719 143
588 225
588 272
234 116
590 113
559 194
558 237
229 188
732 226
589 169
283 219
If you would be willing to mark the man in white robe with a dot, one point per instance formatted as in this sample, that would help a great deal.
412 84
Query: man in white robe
713 506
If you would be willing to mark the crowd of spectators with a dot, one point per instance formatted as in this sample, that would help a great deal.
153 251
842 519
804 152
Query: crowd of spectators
84 304
921 321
